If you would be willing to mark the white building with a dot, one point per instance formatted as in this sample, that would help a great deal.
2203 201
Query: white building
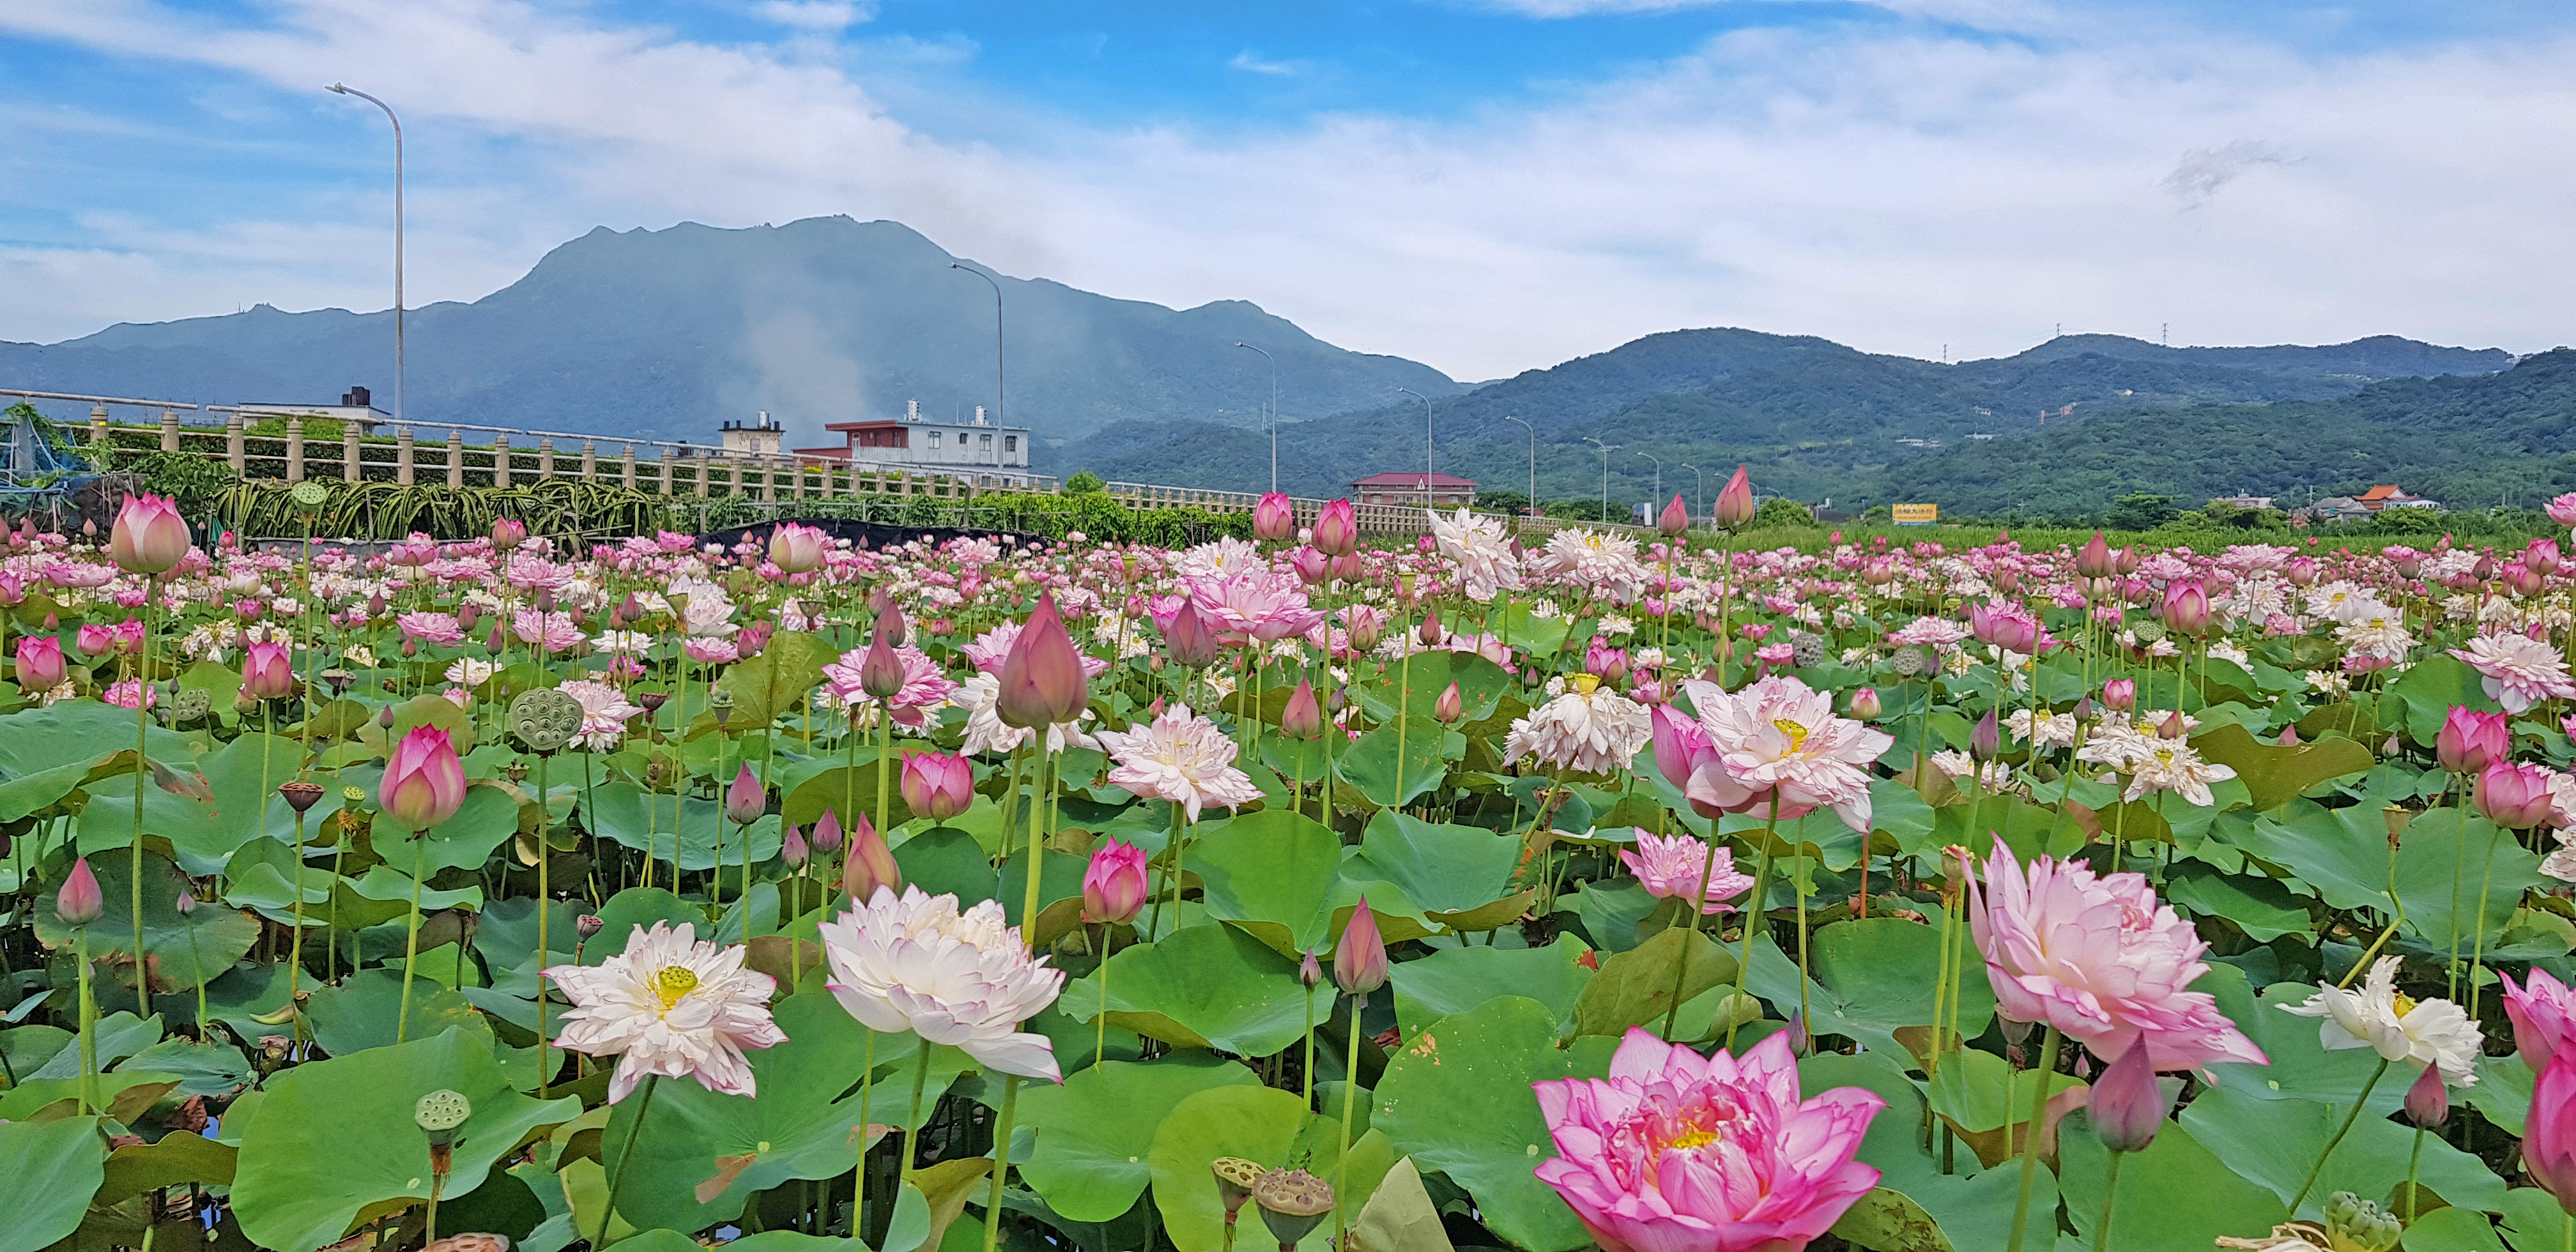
355 406
913 443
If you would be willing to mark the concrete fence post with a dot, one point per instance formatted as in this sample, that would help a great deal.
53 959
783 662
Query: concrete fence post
403 449
169 430
233 450
456 458
295 449
500 460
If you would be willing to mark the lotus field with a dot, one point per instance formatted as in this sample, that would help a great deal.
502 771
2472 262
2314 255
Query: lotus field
1655 897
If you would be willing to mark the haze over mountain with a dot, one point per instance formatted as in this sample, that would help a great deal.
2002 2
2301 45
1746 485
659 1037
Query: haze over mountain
665 334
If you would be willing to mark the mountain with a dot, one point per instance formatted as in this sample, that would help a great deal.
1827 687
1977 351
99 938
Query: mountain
665 333
1814 418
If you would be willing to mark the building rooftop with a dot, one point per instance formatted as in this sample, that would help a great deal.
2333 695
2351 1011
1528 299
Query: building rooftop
1412 479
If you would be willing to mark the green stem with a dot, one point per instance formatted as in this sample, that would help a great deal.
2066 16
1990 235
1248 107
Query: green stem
2359 1102
1001 1161
2478 952
1310 1047
411 942
2414 1160
545 1076
1753 916
1037 851
885 762
867 1113
2042 1066
617 1177
295 943
2110 1189
1350 1102
1100 1040
912 1127
88 1027
142 722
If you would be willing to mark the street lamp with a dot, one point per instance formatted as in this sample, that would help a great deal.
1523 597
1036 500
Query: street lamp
998 418
1699 486
1657 498
342 89
1532 509
1606 450
1426 444
1274 412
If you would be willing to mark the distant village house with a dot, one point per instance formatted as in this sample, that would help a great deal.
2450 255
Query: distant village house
1406 488
2344 508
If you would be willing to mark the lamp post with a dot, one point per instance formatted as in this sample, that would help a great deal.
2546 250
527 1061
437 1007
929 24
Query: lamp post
998 418
1657 498
1426 444
1532 510
1274 412
1699 486
1606 450
345 90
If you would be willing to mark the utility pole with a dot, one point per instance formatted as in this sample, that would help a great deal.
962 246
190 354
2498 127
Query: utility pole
1426 443
342 89
1274 413
1606 450
1532 509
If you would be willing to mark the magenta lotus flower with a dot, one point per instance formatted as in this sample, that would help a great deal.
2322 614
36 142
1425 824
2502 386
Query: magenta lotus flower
1114 885
869 864
1359 960
1042 681
267 671
1273 519
40 663
2562 510
79 902
1669 867
797 549
2549 1133
746 799
1735 501
2543 1011
2471 740
938 786
1337 529
2514 796
1675 518
2101 959
150 536
2095 559
1678 1153
424 783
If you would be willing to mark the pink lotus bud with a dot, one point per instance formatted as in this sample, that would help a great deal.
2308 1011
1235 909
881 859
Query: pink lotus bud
792 849
2128 1105
1302 718
751 639
2095 559
469 616
1359 960
2172 727
1114 887
890 626
2186 608
1311 564
869 867
1681 746
424 783
1431 632
2289 736
1864 704
2131 559
267 673
94 640
1735 501
495 641
2514 796
2542 556
40 663
1878 573
1337 529
2301 571
746 800
881 671
1273 519
2470 740
2549 1132
79 902
2428 1102
1675 518
796 549
1364 624
1189 641
1449 707
1310 971
938 786
150 536
1042 680
1987 739
2525 581
827 834
1348 567
2120 695
13 591
508 533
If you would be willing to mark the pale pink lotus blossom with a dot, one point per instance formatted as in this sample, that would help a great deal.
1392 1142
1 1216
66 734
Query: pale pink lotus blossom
1778 741
2101 959
1678 1153
550 632
124 694
2520 672
1929 632
707 651
1669 866
993 647
924 686
965 979
429 627
1256 604
1590 730
604 713
672 1006
1480 549
1180 757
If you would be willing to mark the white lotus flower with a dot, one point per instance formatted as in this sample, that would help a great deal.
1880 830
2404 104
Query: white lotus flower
2397 1026
913 962
672 1006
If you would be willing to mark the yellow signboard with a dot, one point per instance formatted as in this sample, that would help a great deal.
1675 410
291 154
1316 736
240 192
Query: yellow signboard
1915 514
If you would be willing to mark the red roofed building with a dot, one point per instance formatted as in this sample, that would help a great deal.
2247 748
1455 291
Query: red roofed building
1406 488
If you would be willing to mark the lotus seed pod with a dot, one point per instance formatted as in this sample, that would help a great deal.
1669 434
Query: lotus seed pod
300 794
2352 1222
1235 1178
1907 662
1293 1202
440 1113
545 719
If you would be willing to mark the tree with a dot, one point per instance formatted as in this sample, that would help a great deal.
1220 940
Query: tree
2140 511
1782 511
1084 483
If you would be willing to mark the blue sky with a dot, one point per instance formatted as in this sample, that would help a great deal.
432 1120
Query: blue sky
1486 185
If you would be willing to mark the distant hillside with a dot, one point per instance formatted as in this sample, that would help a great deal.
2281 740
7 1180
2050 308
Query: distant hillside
1816 419
666 333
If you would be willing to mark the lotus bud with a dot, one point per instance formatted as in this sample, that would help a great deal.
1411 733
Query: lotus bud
796 549
1735 501
1302 718
2172 727
2120 695
792 849
881 671
1430 632
2549 1133
495 641
2128 1104
149 538
1987 740
508 533
746 800
2301 571
890 626
869 866
938 786
424 783
40 663
1359 960
1310 971
2514 796
1337 529
1865 705
2428 1102
80 902
1675 518
2094 560
1189 641
827 833
267 673
586 925
2542 556
1273 518
1042 683
1114 885
1449 707
1311 564
2131 559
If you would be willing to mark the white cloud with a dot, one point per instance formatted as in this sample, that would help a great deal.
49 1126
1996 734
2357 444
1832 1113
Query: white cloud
822 15
1252 63
1889 187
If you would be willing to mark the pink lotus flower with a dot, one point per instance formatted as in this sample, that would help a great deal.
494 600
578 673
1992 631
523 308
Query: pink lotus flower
1256 604
1114 885
1273 518
2101 959
40 663
2519 672
551 632
94 639
129 693
434 628
921 686
267 671
2543 1011
508 533
711 651
1180 757
2549 1134
1676 1153
1779 741
1669 867
424 783
938 786
993 647
2514 796
2562 510
797 549
150 536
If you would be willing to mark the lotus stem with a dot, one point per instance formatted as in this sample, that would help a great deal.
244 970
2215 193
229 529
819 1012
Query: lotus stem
1752 915
2359 1102
2110 1190
1350 1102
545 1076
617 1177
142 723
2042 1066
912 1127
88 1026
1001 1161
411 941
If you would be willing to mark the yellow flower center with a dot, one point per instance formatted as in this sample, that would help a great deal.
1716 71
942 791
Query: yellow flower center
2164 756
1585 683
2405 1004
1693 1139
1797 734
672 983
